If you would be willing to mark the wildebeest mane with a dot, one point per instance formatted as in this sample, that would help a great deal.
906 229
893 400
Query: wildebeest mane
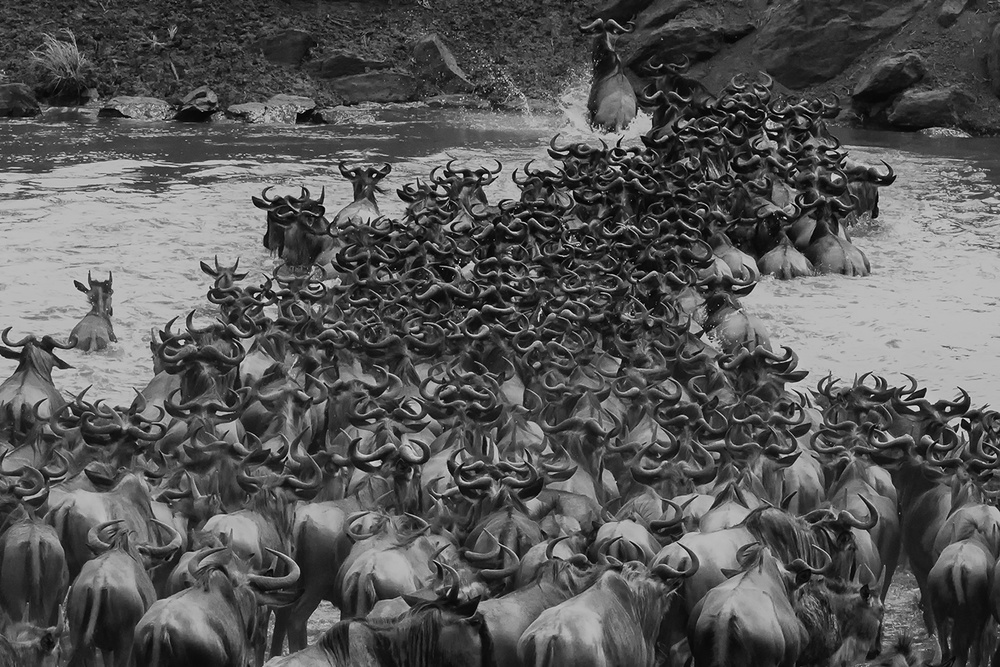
643 606
781 532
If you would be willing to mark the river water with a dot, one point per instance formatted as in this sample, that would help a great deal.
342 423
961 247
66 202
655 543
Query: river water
149 201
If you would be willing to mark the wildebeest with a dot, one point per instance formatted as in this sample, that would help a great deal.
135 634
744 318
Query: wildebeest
219 621
33 572
614 622
111 594
769 617
94 331
611 105
430 634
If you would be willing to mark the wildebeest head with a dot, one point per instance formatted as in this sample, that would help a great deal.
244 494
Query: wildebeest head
98 294
848 615
365 180
296 227
604 57
27 645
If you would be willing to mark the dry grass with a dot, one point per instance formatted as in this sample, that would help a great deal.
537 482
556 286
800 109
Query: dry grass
63 69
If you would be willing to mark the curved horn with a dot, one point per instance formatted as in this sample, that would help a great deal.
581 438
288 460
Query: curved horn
264 583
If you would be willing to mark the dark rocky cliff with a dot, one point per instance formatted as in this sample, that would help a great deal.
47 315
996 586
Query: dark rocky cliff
898 63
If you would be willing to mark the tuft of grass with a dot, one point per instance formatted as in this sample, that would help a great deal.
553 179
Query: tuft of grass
62 68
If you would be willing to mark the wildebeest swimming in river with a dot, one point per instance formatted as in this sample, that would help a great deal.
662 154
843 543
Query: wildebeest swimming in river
94 331
611 105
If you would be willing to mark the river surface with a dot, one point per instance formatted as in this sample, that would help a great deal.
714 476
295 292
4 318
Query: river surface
149 201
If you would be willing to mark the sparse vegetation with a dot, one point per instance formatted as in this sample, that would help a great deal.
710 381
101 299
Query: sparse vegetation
166 48
63 70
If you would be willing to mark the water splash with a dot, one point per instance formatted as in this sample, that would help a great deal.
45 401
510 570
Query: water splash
511 95
574 105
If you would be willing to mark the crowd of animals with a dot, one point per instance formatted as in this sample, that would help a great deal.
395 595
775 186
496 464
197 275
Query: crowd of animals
537 432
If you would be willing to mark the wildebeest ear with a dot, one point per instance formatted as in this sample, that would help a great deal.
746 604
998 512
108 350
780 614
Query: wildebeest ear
208 269
8 353
80 286
729 573
865 575
802 577
467 608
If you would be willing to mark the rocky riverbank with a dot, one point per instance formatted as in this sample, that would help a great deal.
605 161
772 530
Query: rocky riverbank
902 64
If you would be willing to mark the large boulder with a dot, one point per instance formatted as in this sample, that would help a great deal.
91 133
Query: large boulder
288 47
950 11
385 86
993 59
621 10
806 42
939 107
697 37
17 101
434 64
198 105
137 108
344 63
890 76
280 109
660 12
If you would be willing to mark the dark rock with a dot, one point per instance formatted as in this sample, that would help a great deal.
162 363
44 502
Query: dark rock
198 105
737 31
17 101
287 105
345 115
344 63
950 11
281 109
945 133
288 47
661 12
386 86
137 108
457 102
918 109
806 42
620 10
435 65
697 38
993 59
890 76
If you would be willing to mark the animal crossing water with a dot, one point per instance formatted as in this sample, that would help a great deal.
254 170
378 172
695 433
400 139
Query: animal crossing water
148 202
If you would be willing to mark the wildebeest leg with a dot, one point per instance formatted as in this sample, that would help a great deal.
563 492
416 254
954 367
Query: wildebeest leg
942 622
278 634
298 619
123 653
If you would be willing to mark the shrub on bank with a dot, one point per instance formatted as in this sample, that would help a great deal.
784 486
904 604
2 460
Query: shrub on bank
63 71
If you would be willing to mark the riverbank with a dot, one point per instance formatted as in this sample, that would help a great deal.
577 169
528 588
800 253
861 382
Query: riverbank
166 48
517 54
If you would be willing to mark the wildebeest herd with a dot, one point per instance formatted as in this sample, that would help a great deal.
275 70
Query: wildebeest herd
537 432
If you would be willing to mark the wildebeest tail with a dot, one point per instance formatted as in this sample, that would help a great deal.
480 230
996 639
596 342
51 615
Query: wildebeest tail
721 646
91 612
367 595
960 583
534 658
34 579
